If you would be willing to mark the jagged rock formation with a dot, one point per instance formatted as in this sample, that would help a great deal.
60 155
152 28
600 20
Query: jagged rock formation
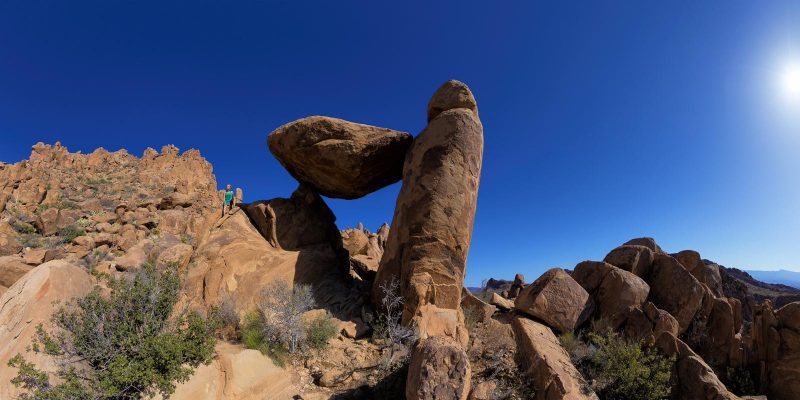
340 158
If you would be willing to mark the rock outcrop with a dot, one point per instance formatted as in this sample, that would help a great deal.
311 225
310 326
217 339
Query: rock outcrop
432 226
615 291
30 301
548 365
556 299
339 158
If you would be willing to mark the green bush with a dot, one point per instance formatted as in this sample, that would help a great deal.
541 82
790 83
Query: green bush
739 381
320 330
69 233
122 345
253 337
623 370
23 227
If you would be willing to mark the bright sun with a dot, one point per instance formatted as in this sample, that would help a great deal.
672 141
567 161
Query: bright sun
790 81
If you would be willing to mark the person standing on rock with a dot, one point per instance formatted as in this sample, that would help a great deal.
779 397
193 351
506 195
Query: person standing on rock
230 200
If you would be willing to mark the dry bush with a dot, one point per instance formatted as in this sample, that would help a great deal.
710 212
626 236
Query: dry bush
283 308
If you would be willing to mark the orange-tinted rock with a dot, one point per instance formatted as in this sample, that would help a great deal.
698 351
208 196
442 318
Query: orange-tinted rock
556 299
435 210
339 158
674 289
548 365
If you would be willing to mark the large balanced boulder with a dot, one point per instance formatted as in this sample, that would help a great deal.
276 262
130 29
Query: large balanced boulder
547 364
29 302
426 251
439 370
616 292
339 158
556 299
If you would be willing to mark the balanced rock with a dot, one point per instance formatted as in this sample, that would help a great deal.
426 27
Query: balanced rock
427 247
439 370
556 299
548 365
339 158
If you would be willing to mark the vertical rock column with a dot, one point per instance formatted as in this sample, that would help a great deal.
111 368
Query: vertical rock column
426 251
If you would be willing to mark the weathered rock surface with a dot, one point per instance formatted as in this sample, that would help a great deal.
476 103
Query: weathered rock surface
339 158
695 379
30 302
427 247
237 261
547 364
632 258
439 370
674 289
615 291
501 302
237 374
11 269
556 299
482 311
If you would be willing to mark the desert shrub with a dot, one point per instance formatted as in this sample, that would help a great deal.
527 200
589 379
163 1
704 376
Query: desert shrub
83 222
186 238
23 227
388 325
320 330
252 337
93 259
471 316
31 240
283 308
69 233
739 381
624 370
125 344
228 317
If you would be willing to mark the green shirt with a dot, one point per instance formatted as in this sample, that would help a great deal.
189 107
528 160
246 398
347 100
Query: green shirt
228 196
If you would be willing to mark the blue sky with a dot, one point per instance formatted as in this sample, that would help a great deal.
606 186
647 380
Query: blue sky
603 121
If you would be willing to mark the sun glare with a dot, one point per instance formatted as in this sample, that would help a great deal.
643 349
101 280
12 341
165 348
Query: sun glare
789 81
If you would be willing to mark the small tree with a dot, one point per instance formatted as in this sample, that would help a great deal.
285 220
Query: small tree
123 345
283 308
392 304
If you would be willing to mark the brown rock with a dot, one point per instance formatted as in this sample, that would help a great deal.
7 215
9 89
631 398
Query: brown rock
501 302
483 391
674 289
547 364
9 245
695 379
339 158
439 370
453 94
482 310
435 211
556 299
632 258
616 291
34 256
366 267
237 374
11 269
356 242
648 242
789 316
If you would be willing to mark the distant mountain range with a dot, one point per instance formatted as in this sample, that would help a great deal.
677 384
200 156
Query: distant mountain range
783 277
